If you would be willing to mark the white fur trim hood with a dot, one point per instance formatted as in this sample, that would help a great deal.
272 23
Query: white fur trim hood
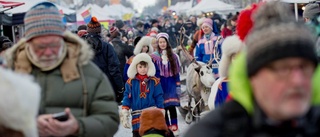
86 53
231 45
145 40
19 102
132 71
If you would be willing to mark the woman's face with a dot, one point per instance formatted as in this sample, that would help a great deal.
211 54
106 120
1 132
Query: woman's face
162 43
206 29
144 49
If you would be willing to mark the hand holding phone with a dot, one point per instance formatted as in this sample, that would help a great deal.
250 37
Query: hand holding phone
61 116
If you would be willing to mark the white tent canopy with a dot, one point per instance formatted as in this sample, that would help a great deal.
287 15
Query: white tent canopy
296 1
296 4
28 4
176 7
96 11
117 10
186 6
210 5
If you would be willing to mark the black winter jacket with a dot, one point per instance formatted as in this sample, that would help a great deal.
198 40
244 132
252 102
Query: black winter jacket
123 52
232 120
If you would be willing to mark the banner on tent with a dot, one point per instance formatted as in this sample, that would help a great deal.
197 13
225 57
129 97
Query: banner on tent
64 19
127 16
86 16
105 25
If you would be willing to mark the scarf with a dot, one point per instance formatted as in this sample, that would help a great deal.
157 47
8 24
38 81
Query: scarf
143 85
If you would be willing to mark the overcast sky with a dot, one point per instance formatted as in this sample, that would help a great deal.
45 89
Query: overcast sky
140 4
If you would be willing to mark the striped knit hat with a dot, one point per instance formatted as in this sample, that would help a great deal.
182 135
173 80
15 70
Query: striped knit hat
94 26
43 19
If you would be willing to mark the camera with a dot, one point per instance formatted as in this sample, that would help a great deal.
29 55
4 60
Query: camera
61 116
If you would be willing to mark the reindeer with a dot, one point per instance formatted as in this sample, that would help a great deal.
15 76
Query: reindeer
199 81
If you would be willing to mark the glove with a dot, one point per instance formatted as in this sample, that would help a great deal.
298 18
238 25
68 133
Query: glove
178 91
125 118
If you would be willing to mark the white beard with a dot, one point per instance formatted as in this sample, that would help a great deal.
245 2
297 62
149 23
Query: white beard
43 63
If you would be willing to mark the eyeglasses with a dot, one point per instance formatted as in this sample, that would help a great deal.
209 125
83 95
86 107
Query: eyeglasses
283 71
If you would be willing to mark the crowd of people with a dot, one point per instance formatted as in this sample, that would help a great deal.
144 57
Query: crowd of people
264 61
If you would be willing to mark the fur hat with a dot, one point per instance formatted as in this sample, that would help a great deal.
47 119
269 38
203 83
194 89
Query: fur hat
152 118
155 29
230 46
132 70
19 104
94 26
283 37
43 19
200 21
311 10
207 22
146 40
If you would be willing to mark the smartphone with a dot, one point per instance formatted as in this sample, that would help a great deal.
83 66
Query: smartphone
61 116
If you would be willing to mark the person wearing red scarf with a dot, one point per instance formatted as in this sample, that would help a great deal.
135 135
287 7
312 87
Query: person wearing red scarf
143 90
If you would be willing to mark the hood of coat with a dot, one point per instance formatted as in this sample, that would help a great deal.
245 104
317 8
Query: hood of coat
84 56
146 40
230 47
241 91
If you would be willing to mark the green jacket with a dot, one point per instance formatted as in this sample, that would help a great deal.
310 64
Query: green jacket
241 91
59 92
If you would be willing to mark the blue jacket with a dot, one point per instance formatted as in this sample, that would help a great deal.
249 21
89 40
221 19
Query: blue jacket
205 49
132 98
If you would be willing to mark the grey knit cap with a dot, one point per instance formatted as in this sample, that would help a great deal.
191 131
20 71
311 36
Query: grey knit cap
311 10
276 35
43 19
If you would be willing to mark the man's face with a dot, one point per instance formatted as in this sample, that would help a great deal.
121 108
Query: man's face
283 88
46 50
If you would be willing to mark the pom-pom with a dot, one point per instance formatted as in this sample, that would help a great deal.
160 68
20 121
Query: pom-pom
94 19
245 22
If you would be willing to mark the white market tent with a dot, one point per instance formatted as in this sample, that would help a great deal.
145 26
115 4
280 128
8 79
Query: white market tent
176 7
210 5
181 7
95 10
296 4
117 10
185 7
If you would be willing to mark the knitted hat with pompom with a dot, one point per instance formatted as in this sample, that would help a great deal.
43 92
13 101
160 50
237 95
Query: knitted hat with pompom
94 26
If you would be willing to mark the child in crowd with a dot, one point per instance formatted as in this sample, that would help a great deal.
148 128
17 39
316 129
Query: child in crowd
143 90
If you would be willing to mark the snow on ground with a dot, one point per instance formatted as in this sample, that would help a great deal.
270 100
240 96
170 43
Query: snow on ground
123 132
183 126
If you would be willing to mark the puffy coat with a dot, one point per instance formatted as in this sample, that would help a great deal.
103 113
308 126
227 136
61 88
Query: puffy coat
123 51
62 87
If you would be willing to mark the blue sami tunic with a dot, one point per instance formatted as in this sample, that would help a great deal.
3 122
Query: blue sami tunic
222 93
170 82
133 99
205 49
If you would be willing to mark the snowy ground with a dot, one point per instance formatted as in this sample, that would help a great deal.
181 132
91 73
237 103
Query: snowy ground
123 132
183 127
